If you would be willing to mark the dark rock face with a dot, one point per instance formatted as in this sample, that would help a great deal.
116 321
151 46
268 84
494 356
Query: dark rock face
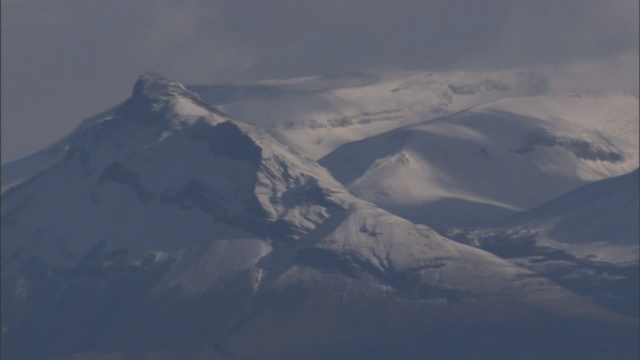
614 286
580 148
119 173
227 140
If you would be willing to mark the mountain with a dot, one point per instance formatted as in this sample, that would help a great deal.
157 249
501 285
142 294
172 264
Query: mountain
166 229
492 160
317 114
587 240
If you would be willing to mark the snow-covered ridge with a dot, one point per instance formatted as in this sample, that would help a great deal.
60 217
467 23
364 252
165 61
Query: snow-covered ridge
154 98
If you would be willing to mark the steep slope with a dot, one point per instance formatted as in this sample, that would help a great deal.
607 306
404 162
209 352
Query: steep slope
315 115
587 240
170 231
494 159
605 211
15 172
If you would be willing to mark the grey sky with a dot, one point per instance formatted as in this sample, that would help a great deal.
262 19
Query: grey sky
64 60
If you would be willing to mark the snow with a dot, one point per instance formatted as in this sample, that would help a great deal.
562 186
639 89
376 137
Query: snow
601 212
166 193
201 268
598 251
315 115
497 157
16 172
392 244
596 222
185 108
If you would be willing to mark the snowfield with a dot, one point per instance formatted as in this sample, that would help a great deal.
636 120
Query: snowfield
491 160
315 115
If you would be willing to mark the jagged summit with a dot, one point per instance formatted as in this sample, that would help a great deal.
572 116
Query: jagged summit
154 86
154 95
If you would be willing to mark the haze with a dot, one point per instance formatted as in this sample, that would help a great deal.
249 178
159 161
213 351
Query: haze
65 60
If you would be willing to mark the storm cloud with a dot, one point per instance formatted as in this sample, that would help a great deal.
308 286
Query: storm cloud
64 60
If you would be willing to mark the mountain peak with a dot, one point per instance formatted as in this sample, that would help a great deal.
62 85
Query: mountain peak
154 95
153 86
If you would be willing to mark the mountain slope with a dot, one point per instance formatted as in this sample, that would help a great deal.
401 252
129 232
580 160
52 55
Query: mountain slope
171 231
588 240
491 160
15 172
605 211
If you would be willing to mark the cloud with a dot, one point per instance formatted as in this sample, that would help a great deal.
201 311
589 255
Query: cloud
64 60
301 37
541 32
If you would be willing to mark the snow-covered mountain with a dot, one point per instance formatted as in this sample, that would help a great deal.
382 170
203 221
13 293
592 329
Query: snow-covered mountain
494 159
165 229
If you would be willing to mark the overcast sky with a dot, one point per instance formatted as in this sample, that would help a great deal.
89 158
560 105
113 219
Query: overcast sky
64 60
